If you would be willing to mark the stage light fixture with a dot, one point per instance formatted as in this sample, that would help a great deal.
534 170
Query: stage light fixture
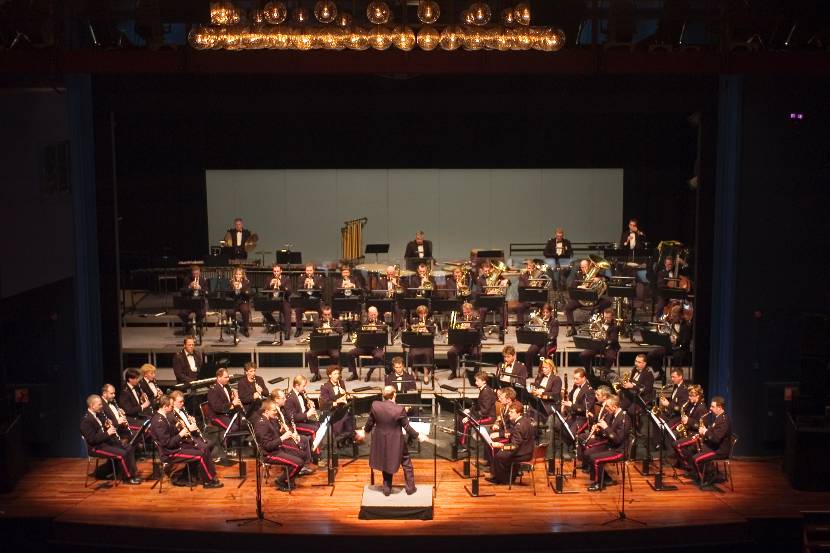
480 13
224 13
380 37
343 20
521 14
428 11
451 38
300 16
403 38
428 38
378 13
325 11
275 13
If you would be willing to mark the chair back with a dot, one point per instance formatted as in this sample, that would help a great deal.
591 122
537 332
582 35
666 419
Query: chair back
732 441
203 408
539 452
86 445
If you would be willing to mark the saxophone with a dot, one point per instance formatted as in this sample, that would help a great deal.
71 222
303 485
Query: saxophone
681 429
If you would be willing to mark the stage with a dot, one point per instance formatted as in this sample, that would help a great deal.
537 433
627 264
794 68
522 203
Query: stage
763 509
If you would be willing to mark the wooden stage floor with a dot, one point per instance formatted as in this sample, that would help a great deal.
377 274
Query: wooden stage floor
53 490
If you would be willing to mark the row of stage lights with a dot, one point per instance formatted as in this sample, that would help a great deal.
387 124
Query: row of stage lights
267 29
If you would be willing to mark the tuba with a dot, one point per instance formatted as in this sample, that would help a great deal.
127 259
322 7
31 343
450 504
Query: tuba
597 327
496 269
592 281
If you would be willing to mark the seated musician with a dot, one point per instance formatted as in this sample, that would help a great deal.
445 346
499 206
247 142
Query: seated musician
484 408
714 440
691 412
223 402
136 403
325 325
511 372
241 293
640 384
210 443
400 379
531 277
176 441
148 384
299 406
301 445
591 437
236 238
533 352
282 283
632 237
347 284
188 362
580 401
548 386
252 390
670 407
333 394
422 324
615 434
307 281
458 284
503 425
498 289
421 283
196 286
393 285
573 304
417 251
467 321
610 347
518 449
372 323
101 439
114 413
558 253
274 438
680 335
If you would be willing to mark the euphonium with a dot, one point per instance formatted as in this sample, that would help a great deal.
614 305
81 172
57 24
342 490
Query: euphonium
496 269
592 281
618 384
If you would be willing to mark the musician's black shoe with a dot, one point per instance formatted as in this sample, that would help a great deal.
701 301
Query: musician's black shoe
298 333
368 377
352 377
571 332
134 481
225 462
246 333
492 480
595 487
283 486
453 376
315 377
411 491
215 483
386 491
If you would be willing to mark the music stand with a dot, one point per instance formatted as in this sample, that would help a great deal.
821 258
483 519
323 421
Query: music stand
474 490
372 340
445 305
260 515
287 257
271 301
350 304
376 249
621 516
584 294
195 304
325 342
583 342
534 337
410 304
559 476
659 485
657 339
533 294
673 293
223 300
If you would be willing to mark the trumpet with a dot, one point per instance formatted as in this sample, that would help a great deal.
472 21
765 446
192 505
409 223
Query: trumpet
308 283
180 425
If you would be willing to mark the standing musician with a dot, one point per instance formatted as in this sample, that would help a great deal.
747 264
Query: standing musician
423 281
325 325
531 277
393 284
692 412
632 237
511 372
236 238
548 387
252 390
188 362
102 440
281 283
423 324
467 321
714 438
459 284
680 335
518 449
389 451
558 253
551 325
372 323
615 433
223 402
484 408
301 408
418 251
670 407
640 384
572 305
579 403
196 286
279 443
400 379
611 345
114 413
177 441
333 394
241 290
307 281
300 445
484 288
148 383
136 404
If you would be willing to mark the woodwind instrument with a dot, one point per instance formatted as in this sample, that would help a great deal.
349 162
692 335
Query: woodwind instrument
564 393
180 425
309 405
681 429
595 427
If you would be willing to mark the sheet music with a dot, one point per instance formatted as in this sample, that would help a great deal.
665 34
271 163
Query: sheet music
420 427
321 433
663 424
482 429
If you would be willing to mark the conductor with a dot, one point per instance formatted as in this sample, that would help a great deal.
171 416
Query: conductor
389 449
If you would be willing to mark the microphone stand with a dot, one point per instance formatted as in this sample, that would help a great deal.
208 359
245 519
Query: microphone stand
474 490
260 515
621 516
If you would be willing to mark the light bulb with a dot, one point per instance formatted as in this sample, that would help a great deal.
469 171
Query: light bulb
378 12
343 20
275 13
403 38
428 38
325 11
428 11
358 39
379 37
479 13
450 38
521 13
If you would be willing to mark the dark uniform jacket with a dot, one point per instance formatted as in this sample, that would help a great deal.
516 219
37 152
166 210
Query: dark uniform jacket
131 405
328 395
295 405
219 406
93 432
485 405
517 376
387 418
181 367
694 411
552 394
268 434
718 435
164 431
583 401
679 396
522 436
412 249
402 384
550 249
247 389
643 386
616 432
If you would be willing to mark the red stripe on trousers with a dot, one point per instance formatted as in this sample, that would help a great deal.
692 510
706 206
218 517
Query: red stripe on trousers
220 423
119 457
287 462
603 460
581 428
201 460
467 427
595 444
678 446
700 459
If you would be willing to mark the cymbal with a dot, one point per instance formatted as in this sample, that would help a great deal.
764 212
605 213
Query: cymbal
407 273
456 262
450 267
372 267
439 273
